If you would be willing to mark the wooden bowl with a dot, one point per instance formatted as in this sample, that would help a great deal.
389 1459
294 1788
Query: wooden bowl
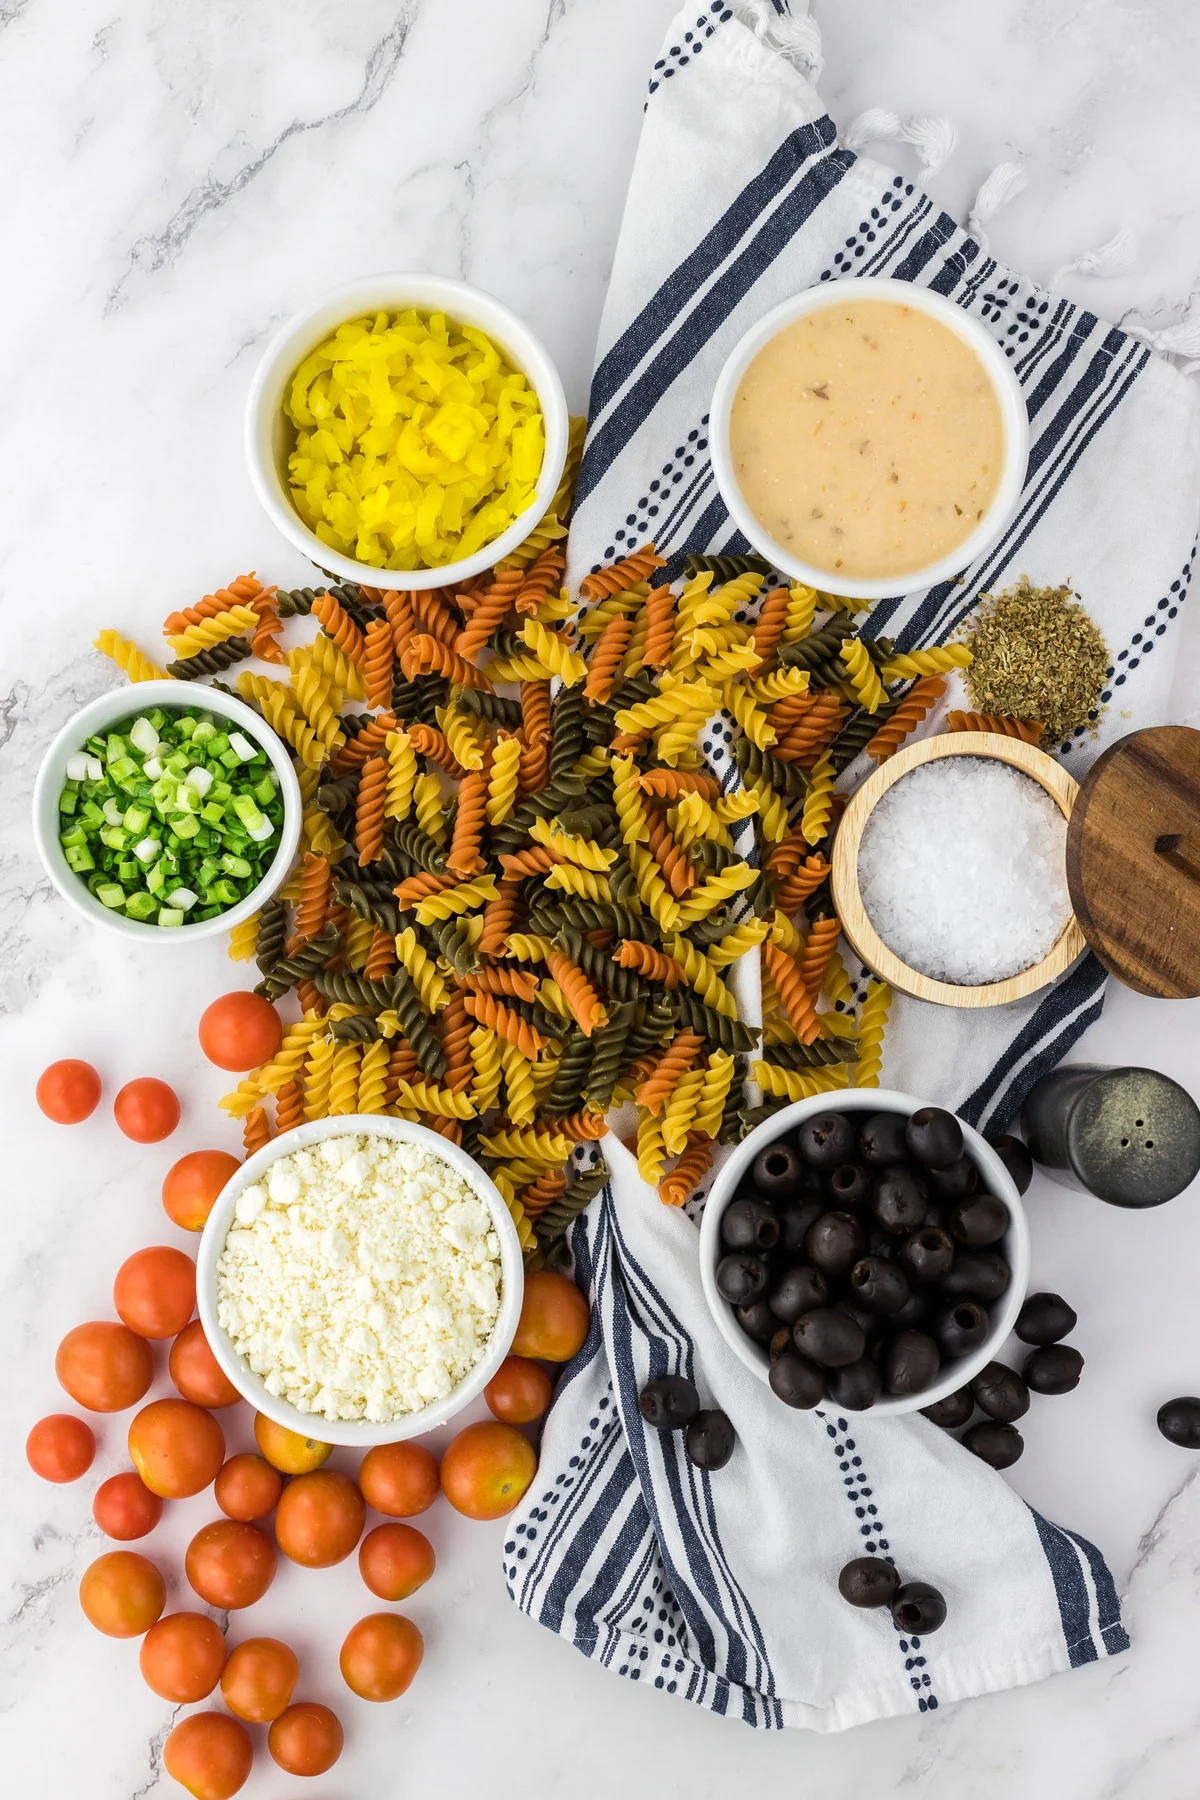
847 897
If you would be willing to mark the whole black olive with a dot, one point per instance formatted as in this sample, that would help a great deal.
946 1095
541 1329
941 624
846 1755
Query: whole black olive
962 1327
780 1343
918 1608
795 1223
1044 1319
956 1180
913 1310
796 1381
953 1411
710 1440
927 1254
669 1402
757 1320
934 1137
1053 1369
994 1443
910 1362
741 1277
857 1386
901 1198
882 1139
873 1324
826 1140
978 1221
1179 1421
830 1338
978 1275
749 1225
835 1243
851 1183
868 1580
880 1286
776 1172
1001 1392
1016 1159
797 1291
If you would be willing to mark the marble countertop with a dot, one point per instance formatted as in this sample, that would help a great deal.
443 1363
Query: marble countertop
178 179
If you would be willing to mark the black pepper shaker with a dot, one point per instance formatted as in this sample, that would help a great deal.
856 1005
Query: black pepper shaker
1131 1137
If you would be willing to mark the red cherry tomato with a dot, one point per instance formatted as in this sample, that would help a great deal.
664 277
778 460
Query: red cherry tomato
146 1110
190 1186
155 1291
124 1508
60 1448
196 1372
104 1366
68 1091
240 1031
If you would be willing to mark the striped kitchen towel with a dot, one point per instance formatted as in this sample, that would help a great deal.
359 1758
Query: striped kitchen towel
722 1588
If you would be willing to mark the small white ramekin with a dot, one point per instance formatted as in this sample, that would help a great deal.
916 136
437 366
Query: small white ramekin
268 435
98 716
1008 393
360 1433
954 1374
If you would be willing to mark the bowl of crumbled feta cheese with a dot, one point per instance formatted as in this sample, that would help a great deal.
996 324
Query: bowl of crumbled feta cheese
360 1280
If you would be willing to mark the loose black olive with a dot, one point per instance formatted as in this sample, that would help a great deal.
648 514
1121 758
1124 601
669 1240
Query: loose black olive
962 1327
826 1140
796 1381
1053 1369
780 1343
669 1402
749 1225
857 1386
757 1320
882 1139
910 1362
1016 1159
953 1411
710 1440
913 1310
741 1277
835 1243
1044 1319
868 1580
956 1180
978 1221
927 1254
934 1137
918 1608
797 1291
880 1286
994 1443
901 1199
1001 1392
830 1338
776 1172
795 1223
851 1183
978 1275
1179 1421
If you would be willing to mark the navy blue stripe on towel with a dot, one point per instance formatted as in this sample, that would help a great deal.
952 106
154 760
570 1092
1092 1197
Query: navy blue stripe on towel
1074 1601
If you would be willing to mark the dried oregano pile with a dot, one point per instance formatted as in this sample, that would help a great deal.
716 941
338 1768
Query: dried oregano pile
1037 654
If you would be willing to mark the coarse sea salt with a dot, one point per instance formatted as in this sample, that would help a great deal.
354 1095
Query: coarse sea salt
962 870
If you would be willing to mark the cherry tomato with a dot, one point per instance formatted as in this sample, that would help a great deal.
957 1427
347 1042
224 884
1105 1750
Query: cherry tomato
381 1655
60 1448
486 1469
146 1110
307 1739
176 1447
68 1091
182 1656
319 1518
155 1291
124 1508
258 1680
519 1392
288 1451
399 1480
230 1564
240 1031
196 1372
210 1755
104 1367
247 1487
191 1185
122 1593
395 1560
554 1318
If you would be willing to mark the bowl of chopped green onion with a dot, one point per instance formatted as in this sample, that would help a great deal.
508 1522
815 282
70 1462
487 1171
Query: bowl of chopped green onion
156 813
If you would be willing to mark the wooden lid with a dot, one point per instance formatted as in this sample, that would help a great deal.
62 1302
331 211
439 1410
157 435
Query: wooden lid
1133 861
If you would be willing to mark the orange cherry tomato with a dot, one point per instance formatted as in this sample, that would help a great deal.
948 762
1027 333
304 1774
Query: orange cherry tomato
519 1392
381 1655
68 1091
182 1656
289 1451
554 1318
400 1480
104 1367
210 1755
155 1291
60 1448
258 1680
307 1739
395 1560
319 1518
486 1469
122 1593
247 1487
146 1110
175 1447
124 1508
230 1563
191 1185
196 1372
240 1031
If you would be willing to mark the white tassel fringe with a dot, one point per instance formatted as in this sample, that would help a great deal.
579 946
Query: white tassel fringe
1006 181
933 139
1116 257
795 35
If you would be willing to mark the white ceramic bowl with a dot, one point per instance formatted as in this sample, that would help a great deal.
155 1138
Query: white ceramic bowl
954 1374
360 1433
1008 393
98 716
268 435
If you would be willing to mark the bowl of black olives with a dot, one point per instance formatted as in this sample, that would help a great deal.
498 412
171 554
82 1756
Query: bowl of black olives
864 1251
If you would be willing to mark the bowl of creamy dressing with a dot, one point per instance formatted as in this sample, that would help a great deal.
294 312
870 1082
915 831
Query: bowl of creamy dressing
869 438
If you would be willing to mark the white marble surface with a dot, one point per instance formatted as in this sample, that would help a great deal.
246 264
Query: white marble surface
176 179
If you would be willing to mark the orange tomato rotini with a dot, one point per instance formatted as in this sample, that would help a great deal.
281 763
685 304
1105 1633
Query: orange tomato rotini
501 1019
338 626
242 591
920 699
790 985
580 995
370 741
677 1059
688 1172
377 663
369 810
623 574
312 901
605 659
1028 730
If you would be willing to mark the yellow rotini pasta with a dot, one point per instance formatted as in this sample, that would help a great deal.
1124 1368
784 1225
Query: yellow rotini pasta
679 1116
243 938
753 721
535 1146
700 974
716 1080
128 658
582 851
872 1023
343 1079
716 891
801 610
518 1084
372 1077
799 1084
468 896
464 732
207 632
503 780
818 802
488 1066
423 1096
427 803
739 942
551 651
651 1154
863 675
415 960
926 662
568 879
318 1073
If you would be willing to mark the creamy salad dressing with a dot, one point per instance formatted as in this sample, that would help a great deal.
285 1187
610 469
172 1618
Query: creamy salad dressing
867 438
